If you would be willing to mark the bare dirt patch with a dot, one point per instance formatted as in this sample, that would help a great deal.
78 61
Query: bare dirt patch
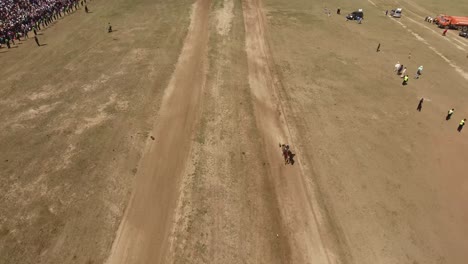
75 115
169 128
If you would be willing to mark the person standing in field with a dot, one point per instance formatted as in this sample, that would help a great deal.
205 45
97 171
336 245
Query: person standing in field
460 126
400 69
397 67
403 73
449 114
405 80
418 72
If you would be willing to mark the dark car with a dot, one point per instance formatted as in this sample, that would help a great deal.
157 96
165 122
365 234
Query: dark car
355 15
463 34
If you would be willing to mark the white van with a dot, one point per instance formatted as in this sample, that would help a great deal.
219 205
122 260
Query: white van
396 13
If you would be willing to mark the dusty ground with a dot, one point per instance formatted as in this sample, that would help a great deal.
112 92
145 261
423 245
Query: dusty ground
75 116
158 143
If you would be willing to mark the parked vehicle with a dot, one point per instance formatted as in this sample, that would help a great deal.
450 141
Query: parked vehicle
453 22
355 15
396 13
463 34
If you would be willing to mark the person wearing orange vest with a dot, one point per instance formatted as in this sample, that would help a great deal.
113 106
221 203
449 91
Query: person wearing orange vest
460 126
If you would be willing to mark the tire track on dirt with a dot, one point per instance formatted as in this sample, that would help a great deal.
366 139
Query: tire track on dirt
421 39
302 220
447 38
422 17
143 235
424 41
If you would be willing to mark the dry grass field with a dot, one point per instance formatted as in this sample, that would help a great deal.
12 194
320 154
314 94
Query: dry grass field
158 142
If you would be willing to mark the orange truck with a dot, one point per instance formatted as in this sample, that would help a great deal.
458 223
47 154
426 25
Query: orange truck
453 22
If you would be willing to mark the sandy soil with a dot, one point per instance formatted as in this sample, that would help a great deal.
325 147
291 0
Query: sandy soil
158 143
75 117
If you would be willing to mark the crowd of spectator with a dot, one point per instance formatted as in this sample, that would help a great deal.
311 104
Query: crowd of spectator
18 17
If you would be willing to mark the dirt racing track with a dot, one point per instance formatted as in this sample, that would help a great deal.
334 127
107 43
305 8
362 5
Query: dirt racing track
161 141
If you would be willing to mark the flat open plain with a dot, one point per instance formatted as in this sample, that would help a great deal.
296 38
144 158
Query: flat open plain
158 142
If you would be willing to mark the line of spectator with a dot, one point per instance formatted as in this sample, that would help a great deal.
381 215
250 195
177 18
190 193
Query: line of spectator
18 17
